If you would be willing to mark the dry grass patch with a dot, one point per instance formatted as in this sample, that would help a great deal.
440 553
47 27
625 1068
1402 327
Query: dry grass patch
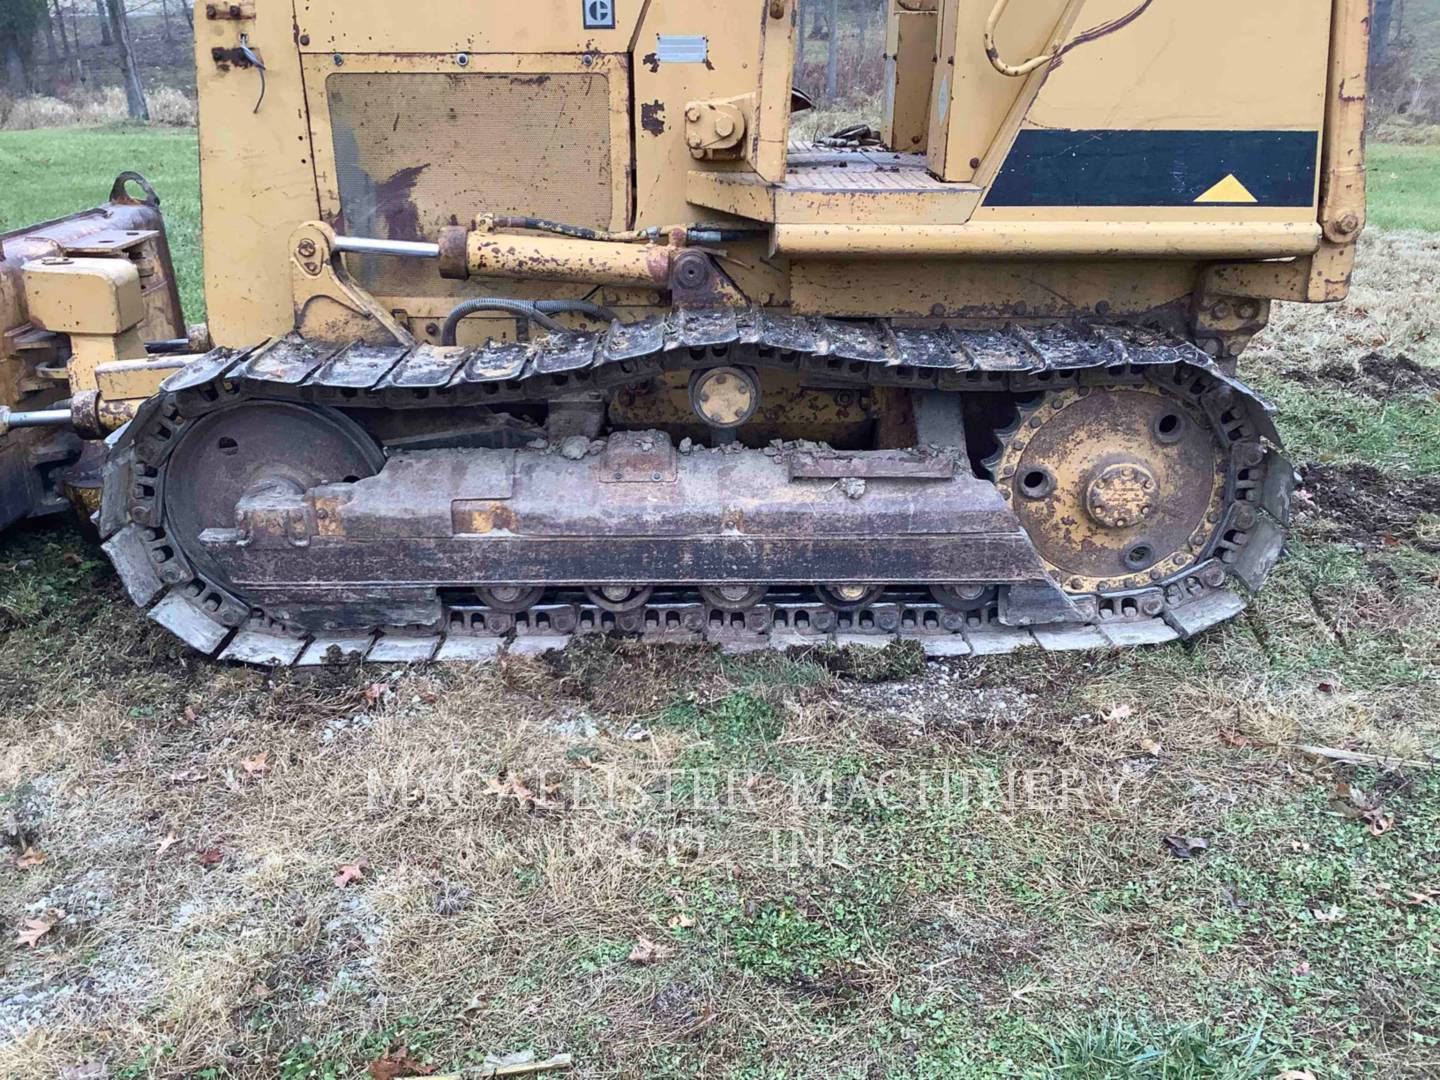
822 865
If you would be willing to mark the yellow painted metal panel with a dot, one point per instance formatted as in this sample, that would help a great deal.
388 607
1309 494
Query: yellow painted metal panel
257 177
460 26
84 296
1069 239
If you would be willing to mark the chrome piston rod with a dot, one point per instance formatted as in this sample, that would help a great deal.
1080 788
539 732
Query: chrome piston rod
405 249
37 418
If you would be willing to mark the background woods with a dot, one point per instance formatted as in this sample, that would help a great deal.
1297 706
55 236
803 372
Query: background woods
93 62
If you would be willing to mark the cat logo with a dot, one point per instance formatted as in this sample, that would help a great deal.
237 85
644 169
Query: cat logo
599 14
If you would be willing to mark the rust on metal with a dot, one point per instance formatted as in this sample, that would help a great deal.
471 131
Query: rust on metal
652 117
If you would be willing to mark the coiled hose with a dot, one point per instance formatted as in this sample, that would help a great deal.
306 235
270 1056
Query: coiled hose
536 311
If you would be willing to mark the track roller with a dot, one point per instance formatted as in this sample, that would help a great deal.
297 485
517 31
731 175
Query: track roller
510 599
733 597
849 597
620 598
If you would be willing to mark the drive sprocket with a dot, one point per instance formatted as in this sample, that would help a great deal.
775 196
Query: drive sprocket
1119 486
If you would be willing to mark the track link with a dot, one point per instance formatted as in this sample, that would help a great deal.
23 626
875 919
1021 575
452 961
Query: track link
1020 360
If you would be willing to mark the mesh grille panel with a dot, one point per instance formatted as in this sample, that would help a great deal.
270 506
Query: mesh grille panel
415 152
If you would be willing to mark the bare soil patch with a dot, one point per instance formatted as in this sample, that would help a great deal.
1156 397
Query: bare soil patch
1374 375
1375 509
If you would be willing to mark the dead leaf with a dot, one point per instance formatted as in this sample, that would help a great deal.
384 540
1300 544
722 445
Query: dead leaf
1332 914
1114 713
1303 968
190 715
86 1070
189 776
1423 896
257 765
351 872
376 692
211 856
683 921
1379 821
1296 1074
1231 737
428 697
1151 747
1186 847
35 929
649 952
169 841
396 1063
512 787
260 991
30 858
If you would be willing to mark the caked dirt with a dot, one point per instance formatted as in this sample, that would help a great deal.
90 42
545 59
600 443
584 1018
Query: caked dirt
1374 375
1374 509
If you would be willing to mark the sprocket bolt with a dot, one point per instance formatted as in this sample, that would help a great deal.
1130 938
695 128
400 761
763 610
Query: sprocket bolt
1118 496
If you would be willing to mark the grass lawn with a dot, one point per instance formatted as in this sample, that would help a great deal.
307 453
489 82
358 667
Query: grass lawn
48 174
671 863
1404 187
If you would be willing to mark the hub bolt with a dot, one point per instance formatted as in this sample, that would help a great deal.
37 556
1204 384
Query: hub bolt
1120 496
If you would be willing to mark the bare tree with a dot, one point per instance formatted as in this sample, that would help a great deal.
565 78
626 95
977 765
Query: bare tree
57 16
165 14
48 24
129 69
802 10
832 58
104 17
19 19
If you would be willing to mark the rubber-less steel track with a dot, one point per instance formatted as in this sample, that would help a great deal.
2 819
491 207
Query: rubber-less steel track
1020 360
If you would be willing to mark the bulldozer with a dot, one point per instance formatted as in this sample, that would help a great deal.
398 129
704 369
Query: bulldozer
534 321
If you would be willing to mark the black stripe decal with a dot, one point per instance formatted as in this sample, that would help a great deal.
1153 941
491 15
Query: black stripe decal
1155 168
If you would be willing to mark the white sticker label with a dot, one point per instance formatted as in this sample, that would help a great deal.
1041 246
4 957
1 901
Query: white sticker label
682 49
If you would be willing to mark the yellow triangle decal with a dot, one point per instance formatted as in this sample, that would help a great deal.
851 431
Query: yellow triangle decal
1229 190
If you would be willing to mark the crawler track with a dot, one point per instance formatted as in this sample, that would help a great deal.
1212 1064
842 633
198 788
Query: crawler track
161 575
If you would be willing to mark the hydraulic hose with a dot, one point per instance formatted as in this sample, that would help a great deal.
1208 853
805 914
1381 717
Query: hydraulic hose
537 311
579 307
522 308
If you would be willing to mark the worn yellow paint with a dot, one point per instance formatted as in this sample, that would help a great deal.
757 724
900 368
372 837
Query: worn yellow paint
1069 239
910 41
266 174
84 296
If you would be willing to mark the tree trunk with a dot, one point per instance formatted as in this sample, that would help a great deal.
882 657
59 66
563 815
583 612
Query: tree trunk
800 48
104 17
832 58
129 70
165 14
59 19
15 75
75 39
51 50
1380 31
